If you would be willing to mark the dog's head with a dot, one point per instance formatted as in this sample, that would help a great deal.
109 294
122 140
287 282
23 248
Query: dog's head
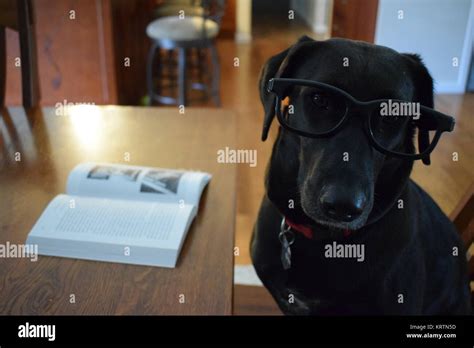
308 178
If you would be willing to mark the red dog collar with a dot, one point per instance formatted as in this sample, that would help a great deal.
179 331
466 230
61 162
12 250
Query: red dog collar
307 231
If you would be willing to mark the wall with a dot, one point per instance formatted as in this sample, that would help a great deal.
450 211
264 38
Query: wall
439 30
316 13
243 32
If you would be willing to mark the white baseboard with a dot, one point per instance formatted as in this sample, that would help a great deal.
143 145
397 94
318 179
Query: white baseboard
449 88
246 275
242 38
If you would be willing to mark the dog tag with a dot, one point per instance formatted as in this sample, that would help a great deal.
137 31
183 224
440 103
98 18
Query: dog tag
285 254
286 238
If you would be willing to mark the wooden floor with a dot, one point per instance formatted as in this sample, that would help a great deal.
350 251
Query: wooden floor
253 300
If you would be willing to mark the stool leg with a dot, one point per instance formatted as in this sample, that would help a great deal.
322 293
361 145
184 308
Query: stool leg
149 72
201 65
215 75
171 66
182 76
29 64
159 70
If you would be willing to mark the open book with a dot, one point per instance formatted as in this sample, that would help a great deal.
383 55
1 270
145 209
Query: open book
120 213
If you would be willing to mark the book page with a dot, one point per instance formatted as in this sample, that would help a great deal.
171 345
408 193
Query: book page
137 183
115 221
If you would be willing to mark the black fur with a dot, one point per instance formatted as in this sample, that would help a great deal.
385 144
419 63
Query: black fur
408 251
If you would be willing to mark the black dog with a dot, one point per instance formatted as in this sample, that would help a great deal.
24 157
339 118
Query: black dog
413 261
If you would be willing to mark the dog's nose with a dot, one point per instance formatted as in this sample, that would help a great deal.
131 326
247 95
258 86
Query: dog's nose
340 204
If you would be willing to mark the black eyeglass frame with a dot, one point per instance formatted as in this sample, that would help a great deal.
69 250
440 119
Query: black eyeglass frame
444 123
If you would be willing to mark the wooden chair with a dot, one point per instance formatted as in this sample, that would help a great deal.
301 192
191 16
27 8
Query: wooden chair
463 219
18 15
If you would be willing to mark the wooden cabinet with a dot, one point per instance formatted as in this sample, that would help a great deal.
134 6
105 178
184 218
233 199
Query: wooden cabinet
75 56
355 19
229 24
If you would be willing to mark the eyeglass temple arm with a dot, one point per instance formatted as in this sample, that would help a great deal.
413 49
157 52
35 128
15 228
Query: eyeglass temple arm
270 85
277 86
438 121
443 123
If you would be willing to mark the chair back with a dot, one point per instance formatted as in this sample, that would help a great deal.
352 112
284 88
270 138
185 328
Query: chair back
214 11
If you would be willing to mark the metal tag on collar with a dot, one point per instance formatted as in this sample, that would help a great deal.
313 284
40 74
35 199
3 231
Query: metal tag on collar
287 238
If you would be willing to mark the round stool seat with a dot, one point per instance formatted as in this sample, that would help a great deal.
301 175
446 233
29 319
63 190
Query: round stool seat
188 28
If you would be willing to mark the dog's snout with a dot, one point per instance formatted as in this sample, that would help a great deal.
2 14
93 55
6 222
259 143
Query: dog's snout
340 204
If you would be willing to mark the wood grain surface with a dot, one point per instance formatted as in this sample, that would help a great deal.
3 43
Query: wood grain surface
51 145
75 54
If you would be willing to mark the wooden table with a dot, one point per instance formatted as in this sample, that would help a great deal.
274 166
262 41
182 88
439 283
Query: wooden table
51 145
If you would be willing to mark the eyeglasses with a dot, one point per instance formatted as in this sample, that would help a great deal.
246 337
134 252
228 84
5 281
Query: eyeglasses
317 110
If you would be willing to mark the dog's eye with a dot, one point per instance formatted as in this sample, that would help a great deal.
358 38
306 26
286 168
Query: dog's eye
320 101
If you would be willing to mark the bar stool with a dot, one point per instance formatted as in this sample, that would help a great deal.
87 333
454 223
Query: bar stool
192 37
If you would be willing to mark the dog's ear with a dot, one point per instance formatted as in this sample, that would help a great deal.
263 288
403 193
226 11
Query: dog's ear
276 66
423 95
